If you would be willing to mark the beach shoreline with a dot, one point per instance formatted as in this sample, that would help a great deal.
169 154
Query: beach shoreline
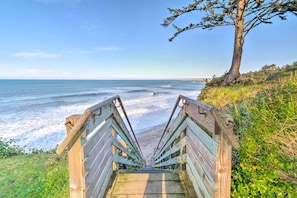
148 141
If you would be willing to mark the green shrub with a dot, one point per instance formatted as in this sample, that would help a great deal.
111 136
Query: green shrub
9 148
265 165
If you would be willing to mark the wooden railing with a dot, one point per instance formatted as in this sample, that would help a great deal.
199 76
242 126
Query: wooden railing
200 141
98 143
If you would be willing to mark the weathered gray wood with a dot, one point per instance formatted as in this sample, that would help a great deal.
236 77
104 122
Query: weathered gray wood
98 116
118 119
202 165
116 143
177 160
208 177
122 160
97 137
96 166
101 177
101 190
192 177
223 168
92 163
226 130
172 128
204 117
125 138
179 130
80 126
201 149
204 137
175 148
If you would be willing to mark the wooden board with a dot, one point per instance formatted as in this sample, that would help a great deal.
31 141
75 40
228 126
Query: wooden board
210 143
205 176
204 118
177 160
201 149
97 137
94 167
175 148
179 130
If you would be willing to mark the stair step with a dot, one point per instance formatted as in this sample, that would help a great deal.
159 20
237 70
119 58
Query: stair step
147 185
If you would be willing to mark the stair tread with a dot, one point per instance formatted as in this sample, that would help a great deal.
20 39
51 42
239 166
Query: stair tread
140 184
148 177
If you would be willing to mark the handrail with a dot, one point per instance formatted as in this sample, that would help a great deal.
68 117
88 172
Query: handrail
75 131
207 108
124 111
199 141
98 143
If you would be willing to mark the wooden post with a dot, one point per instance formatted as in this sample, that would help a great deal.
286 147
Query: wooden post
223 167
75 162
114 150
123 153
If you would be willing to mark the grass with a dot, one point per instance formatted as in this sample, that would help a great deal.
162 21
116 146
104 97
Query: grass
34 175
265 117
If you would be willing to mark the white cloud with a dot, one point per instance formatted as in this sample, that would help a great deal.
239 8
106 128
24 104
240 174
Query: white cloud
46 55
33 55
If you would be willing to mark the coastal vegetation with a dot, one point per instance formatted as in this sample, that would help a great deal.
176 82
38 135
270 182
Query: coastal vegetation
264 109
34 174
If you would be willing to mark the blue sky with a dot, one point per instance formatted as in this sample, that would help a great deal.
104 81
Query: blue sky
107 39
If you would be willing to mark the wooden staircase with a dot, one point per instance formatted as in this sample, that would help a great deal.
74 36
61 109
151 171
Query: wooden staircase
195 149
151 183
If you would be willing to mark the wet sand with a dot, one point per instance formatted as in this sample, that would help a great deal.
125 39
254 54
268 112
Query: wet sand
148 141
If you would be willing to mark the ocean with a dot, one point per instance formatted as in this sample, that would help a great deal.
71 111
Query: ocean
33 112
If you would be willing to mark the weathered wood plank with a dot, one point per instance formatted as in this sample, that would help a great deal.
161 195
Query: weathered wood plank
172 128
179 130
98 116
223 168
177 160
75 165
92 161
204 137
118 119
97 137
200 148
197 181
92 167
208 178
101 178
175 148
122 160
228 132
202 165
116 143
203 117
125 138
100 191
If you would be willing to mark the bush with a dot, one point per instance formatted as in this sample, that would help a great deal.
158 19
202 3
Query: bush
265 165
9 148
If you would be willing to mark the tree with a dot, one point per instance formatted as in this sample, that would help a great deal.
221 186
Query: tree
243 15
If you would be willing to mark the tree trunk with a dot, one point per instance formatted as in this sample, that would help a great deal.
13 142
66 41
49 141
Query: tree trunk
233 73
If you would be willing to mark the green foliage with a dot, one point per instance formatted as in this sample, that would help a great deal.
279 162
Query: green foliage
266 125
265 165
267 74
34 175
9 148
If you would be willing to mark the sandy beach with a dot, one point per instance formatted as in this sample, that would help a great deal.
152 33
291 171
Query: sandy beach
148 141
